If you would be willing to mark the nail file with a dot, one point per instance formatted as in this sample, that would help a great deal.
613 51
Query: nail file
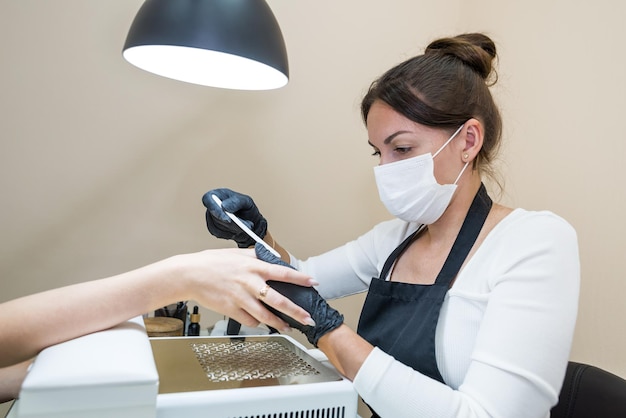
245 229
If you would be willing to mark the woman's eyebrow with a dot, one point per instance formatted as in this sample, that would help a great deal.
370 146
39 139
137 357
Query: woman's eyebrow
390 137
393 135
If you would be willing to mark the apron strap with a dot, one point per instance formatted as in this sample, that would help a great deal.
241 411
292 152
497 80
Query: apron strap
399 250
473 223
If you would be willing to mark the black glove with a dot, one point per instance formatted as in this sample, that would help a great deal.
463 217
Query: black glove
221 226
326 318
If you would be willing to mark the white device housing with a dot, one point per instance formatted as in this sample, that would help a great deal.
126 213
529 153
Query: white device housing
106 374
115 373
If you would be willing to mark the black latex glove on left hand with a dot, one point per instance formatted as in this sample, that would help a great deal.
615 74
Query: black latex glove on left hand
242 206
326 318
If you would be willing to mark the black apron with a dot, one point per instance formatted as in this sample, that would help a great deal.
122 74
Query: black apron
401 318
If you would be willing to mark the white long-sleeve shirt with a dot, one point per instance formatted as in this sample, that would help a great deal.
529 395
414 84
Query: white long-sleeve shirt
505 327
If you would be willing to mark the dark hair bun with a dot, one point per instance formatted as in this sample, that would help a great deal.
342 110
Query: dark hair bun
476 50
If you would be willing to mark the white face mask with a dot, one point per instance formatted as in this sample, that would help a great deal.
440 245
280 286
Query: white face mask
409 190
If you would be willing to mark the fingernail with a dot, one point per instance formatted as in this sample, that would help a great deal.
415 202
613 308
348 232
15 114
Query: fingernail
286 329
309 321
313 282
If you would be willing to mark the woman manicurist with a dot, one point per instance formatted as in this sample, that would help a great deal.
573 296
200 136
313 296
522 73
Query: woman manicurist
471 305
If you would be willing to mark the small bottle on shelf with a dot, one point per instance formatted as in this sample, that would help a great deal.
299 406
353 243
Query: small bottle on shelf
194 323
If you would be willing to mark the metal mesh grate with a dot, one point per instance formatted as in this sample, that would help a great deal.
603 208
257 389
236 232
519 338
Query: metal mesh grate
247 360
338 412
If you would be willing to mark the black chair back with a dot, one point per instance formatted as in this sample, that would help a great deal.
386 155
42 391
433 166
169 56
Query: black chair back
590 392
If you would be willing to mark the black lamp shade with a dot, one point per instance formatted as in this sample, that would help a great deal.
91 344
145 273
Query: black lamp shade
234 44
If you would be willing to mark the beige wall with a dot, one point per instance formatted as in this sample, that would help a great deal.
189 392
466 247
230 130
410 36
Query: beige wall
102 166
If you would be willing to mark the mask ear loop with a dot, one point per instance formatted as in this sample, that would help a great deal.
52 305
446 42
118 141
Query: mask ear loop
448 141
461 173
444 145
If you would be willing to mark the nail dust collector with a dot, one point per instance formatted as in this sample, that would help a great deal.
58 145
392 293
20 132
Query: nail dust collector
122 373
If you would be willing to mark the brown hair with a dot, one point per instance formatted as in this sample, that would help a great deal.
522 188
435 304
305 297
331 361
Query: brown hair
445 87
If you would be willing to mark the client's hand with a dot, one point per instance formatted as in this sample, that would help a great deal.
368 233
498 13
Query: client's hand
326 318
221 226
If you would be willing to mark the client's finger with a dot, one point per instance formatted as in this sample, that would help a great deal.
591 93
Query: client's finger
285 274
272 298
277 272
